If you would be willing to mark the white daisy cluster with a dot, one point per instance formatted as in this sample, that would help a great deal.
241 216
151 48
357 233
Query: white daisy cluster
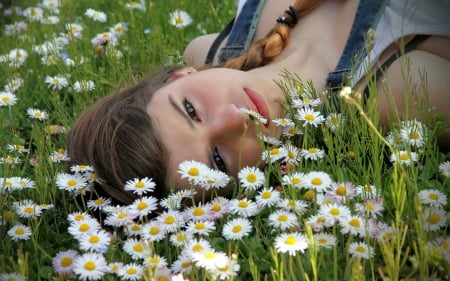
180 19
408 141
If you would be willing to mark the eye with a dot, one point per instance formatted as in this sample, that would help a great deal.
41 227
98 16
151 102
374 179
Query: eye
218 161
190 110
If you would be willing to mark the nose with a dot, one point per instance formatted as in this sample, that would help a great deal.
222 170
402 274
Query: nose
227 123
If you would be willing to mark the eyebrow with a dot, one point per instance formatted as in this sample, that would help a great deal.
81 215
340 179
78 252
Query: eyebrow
181 111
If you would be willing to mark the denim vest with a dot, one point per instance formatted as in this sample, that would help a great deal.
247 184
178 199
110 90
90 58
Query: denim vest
241 30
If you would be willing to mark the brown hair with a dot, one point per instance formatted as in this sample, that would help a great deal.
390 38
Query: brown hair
117 137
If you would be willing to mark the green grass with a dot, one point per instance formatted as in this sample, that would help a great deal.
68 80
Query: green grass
357 154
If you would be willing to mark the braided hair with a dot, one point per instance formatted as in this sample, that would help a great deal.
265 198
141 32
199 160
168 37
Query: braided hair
266 49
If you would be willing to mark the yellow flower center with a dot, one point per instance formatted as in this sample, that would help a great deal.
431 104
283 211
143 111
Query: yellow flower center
274 151
198 212
90 265
179 20
71 182
141 206
79 217
361 249
29 210
197 248
216 207
290 240
200 226
98 201
66 262
169 220
139 184
316 181
209 255
266 195
434 218
194 172
138 248
122 215
404 156
20 231
321 219
237 228
354 222
414 135
341 191
282 218
335 211
312 150
84 227
243 204
5 99
131 271
291 154
322 241
185 264
297 180
369 206
310 194
251 178
433 196
94 239
154 230
309 117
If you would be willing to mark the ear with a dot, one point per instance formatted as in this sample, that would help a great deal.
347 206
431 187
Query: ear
181 73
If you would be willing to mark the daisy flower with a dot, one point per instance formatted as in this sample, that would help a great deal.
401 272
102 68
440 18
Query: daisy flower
433 197
140 186
171 221
97 241
78 216
163 273
14 84
214 179
121 217
27 209
290 243
90 266
274 154
434 218
334 121
319 181
17 148
283 219
33 13
220 207
59 156
444 169
372 207
385 232
367 191
114 267
156 261
19 232
197 245
133 229
236 229
12 276
144 206
251 178
210 259
243 207
199 212
95 15
296 206
254 115
342 191
312 153
354 225
334 212
70 182
201 227
98 203
192 170
183 264
56 82
84 227
404 157
310 117
137 249
324 240
292 154
131 271
180 238
229 271
136 5
284 122
414 133
153 231
118 29
84 86
360 250
37 114
180 19
267 197
7 99
296 179
49 59
17 57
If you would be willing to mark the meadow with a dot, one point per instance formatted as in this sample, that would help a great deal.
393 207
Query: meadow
340 197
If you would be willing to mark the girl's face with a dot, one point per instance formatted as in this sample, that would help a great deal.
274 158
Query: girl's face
200 118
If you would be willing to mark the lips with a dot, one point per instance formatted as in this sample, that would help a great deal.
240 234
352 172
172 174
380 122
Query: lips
259 104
